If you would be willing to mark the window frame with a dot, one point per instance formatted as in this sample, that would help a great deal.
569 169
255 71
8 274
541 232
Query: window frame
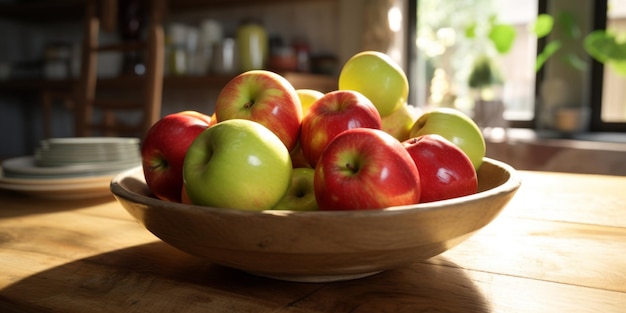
596 124
596 69
411 52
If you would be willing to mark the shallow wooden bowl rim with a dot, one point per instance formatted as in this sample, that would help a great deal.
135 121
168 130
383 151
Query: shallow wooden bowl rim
511 184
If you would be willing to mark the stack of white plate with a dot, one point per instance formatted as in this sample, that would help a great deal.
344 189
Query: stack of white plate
71 167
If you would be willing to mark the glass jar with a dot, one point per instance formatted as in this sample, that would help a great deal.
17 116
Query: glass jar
252 43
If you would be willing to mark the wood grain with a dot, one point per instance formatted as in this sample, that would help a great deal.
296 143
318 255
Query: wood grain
555 248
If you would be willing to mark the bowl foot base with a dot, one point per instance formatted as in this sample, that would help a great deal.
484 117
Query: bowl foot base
316 278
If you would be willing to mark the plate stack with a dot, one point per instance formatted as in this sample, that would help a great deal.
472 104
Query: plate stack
70 168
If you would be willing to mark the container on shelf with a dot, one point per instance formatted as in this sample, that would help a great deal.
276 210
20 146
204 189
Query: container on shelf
252 44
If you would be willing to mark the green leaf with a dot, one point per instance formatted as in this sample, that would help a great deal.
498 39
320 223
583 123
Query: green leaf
470 31
603 46
549 50
484 73
575 61
543 25
619 67
569 24
503 37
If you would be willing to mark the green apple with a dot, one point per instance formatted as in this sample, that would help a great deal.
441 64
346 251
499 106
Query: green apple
455 126
307 97
300 195
398 124
378 77
237 164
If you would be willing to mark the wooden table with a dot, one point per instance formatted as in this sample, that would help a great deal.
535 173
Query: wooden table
558 247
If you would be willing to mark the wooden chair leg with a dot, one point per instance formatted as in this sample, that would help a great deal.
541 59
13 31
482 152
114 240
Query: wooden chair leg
108 121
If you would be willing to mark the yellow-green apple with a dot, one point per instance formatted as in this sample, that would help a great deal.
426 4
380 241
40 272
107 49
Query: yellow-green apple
398 124
300 195
307 97
445 170
264 97
365 168
163 150
455 126
332 114
378 77
237 164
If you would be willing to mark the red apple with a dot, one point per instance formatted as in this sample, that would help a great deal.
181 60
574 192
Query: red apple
297 157
266 98
335 112
184 197
163 151
363 169
445 170
455 126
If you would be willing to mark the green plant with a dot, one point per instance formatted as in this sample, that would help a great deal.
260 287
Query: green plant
607 48
484 72
544 26
602 45
502 36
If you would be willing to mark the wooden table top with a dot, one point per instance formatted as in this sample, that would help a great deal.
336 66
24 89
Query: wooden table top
557 247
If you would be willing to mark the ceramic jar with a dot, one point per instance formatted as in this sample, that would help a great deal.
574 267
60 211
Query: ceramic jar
252 43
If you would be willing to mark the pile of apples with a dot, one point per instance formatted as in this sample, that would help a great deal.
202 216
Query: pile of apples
269 146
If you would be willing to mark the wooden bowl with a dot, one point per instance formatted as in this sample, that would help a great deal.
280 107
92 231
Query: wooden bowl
319 246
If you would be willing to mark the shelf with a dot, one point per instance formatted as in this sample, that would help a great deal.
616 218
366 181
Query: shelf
184 5
124 46
319 82
41 11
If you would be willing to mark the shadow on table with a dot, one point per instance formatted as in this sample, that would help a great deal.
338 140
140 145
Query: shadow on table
157 277
28 205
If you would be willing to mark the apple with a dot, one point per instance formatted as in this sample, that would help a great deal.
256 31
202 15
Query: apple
213 119
399 122
455 126
307 97
297 157
237 164
199 115
264 97
184 198
445 170
378 77
300 195
363 169
163 150
332 114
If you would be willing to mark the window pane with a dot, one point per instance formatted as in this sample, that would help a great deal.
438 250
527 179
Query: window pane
613 91
452 35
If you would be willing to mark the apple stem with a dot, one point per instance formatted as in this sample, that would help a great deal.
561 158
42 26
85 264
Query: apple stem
351 167
248 104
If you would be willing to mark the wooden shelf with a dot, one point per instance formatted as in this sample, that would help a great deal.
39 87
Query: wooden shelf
183 5
323 83
124 46
41 11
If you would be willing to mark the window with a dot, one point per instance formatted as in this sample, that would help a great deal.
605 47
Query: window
456 64
608 94
442 58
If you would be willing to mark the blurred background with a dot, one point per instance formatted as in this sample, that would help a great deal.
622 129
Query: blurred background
545 80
